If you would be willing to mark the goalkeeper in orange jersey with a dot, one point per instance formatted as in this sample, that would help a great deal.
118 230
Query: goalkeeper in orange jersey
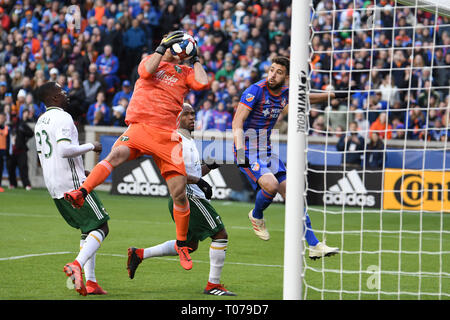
204 221
152 119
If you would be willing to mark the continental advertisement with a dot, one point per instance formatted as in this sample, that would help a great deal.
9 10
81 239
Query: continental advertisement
416 190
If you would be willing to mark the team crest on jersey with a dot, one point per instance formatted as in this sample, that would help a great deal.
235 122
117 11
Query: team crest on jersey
124 138
249 97
255 166
178 69
283 102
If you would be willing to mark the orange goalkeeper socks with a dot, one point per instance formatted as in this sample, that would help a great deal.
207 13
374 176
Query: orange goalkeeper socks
97 176
181 217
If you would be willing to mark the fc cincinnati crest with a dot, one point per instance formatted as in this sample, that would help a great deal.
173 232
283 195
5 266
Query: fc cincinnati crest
249 97
255 166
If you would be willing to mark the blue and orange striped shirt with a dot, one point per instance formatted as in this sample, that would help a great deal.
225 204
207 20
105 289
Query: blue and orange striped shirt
265 107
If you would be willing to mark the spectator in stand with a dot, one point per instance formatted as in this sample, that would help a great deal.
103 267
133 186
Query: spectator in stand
352 146
362 123
415 123
34 111
98 113
4 20
77 102
243 71
205 116
428 98
221 118
225 73
382 127
375 152
398 129
134 41
126 92
119 112
91 87
3 146
19 133
108 65
54 72
437 132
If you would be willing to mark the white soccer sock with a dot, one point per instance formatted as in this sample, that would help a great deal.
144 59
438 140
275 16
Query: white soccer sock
217 252
90 247
164 249
89 267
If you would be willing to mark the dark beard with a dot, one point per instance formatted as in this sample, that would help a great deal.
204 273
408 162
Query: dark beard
274 87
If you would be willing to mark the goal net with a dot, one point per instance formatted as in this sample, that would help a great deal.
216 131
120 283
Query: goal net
377 176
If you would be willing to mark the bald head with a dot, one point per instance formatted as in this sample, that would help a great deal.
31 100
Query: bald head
187 117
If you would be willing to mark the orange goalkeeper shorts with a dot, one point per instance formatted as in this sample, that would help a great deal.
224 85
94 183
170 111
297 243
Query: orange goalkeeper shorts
163 145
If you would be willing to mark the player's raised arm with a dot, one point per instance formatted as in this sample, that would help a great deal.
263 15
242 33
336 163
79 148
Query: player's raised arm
152 63
200 74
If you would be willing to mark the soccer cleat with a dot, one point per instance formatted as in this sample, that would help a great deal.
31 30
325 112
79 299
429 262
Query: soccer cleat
93 288
75 197
73 271
135 257
185 258
322 250
259 227
217 290
2 190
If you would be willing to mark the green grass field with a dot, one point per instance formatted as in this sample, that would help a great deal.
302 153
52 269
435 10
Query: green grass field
36 243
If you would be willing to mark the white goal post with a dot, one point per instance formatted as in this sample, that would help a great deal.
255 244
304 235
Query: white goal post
405 241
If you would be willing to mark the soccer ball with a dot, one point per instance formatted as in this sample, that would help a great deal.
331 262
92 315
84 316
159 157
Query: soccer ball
185 49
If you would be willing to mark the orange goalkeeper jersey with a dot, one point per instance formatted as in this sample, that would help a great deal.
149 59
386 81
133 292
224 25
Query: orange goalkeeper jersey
158 98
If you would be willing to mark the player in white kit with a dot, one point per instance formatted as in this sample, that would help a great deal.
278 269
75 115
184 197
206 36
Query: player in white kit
62 165
204 221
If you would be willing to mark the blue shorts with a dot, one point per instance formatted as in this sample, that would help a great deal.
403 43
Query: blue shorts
262 165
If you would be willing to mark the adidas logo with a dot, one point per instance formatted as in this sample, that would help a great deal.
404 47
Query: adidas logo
349 190
143 180
217 292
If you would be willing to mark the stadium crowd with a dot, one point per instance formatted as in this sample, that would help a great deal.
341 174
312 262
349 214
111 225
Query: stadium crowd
97 65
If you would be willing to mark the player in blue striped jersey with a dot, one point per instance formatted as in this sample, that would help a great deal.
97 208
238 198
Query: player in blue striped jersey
260 106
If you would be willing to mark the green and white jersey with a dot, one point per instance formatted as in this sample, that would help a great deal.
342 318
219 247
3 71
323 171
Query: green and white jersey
193 165
60 174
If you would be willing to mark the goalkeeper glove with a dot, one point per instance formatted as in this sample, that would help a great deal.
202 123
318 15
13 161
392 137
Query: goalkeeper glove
168 41
205 187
